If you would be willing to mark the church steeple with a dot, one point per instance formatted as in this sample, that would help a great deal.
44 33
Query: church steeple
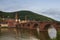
16 16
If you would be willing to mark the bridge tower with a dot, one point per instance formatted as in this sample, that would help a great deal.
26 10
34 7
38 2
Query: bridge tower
16 17
25 17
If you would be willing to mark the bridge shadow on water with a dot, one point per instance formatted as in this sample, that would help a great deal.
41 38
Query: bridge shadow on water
23 34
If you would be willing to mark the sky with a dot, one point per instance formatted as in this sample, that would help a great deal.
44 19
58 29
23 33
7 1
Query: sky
37 6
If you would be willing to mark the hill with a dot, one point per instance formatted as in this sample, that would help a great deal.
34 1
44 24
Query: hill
25 14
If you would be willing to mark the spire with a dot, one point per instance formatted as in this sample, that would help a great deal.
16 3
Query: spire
16 16
26 17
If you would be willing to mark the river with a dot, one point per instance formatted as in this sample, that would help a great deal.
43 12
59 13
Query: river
23 34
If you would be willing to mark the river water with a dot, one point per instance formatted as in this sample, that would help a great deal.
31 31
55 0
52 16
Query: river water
23 34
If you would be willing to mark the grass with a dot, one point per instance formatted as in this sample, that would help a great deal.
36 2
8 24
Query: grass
58 35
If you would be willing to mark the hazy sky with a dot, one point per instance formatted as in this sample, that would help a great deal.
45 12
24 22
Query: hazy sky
32 5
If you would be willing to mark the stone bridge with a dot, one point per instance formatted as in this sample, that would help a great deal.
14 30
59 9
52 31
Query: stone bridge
43 26
33 25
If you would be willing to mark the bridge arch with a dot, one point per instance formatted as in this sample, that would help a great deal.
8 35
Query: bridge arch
35 25
47 26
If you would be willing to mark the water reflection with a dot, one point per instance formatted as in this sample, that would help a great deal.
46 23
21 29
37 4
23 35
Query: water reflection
28 34
24 34
52 32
